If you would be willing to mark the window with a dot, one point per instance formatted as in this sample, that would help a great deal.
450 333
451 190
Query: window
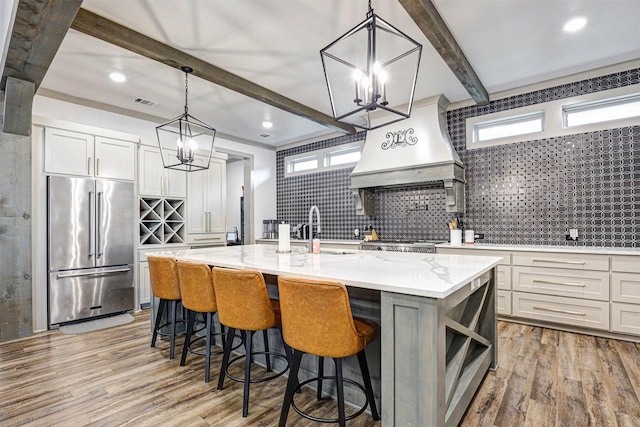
510 126
344 157
339 157
304 164
607 109
602 111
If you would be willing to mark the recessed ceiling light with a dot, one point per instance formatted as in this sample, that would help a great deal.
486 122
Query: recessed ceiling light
575 24
267 124
117 77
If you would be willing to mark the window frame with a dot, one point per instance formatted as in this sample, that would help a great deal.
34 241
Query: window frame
554 124
321 156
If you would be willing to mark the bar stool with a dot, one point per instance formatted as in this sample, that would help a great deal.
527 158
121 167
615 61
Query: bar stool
317 319
198 296
244 305
165 286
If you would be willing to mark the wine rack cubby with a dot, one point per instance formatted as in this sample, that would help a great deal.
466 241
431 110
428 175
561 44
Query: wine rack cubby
161 221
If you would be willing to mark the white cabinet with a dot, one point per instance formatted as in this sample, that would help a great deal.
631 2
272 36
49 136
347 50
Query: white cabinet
206 204
144 283
155 180
75 153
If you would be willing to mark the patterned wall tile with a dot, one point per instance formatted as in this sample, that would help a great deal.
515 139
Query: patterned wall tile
530 192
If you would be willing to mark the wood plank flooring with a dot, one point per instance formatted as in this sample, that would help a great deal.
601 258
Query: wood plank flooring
113 378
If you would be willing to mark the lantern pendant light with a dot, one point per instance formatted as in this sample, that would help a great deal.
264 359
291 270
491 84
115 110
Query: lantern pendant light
371 73
182 138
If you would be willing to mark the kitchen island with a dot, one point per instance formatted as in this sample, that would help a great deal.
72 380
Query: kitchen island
437 315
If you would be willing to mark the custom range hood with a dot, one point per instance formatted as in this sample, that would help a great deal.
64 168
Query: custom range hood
410 152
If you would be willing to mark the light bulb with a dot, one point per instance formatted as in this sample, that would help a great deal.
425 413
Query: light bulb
357 74
376 68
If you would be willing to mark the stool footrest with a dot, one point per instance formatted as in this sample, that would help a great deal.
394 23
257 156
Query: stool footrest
262 379
330 420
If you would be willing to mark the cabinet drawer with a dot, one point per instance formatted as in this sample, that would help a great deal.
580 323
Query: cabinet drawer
625 318
568 283
504 277
503 303
207 239
506 256
568 311
625 287
625 264
562 260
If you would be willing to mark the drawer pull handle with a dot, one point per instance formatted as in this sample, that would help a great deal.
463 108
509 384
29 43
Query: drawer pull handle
551 282
555 310
208 238
557 261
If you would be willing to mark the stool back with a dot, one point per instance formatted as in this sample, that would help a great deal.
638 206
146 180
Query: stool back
164 277
243 300
317 318
196 287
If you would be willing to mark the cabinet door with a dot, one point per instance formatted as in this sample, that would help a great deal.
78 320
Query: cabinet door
217 196
175 183
115 159
69 153
206 199
157 181
151 171
197 202
144 283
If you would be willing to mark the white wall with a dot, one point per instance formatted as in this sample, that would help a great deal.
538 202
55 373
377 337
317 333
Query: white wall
263 176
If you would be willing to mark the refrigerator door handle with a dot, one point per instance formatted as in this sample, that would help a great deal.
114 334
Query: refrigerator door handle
91 216
91 273
99 248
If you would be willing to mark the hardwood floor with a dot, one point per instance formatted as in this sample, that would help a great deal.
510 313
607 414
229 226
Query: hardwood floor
113 378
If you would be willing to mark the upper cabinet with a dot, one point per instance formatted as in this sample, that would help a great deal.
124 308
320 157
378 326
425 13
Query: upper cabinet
206 203
155 180
75 153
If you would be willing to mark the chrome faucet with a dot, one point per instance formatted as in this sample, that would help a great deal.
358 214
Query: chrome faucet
311 225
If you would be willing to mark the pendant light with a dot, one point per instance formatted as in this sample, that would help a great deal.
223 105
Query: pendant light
182 138
371 73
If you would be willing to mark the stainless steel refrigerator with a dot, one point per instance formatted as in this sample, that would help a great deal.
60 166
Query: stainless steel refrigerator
90 248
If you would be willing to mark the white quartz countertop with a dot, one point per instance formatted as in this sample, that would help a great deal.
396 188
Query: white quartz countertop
543 248
355 243
427 275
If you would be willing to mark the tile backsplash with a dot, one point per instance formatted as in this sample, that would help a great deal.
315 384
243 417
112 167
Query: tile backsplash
530 192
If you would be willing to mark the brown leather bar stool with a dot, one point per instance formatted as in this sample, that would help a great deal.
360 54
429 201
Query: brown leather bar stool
244 305
165 286
317 319
198 296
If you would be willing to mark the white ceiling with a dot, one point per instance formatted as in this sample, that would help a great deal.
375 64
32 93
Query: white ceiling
276 44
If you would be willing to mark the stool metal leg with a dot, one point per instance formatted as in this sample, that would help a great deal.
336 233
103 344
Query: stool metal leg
225 358
172 320
187 338
320 375
265 334
247 374
161 308
340 391
207 357
364 370
292 384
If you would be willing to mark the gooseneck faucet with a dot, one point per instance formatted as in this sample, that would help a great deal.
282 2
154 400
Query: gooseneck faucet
311 225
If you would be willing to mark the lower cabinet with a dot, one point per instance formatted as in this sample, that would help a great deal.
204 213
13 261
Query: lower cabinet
574 289
568 311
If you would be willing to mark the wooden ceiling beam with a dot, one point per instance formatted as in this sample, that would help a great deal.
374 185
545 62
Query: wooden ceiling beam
111 32
38 31
425 14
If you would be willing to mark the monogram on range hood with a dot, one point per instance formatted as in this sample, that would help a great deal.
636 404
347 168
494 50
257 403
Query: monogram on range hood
410 152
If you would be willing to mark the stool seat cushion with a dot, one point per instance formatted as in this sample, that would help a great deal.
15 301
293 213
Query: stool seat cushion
319 319
164 277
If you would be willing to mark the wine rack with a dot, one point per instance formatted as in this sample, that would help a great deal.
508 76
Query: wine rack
161 221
